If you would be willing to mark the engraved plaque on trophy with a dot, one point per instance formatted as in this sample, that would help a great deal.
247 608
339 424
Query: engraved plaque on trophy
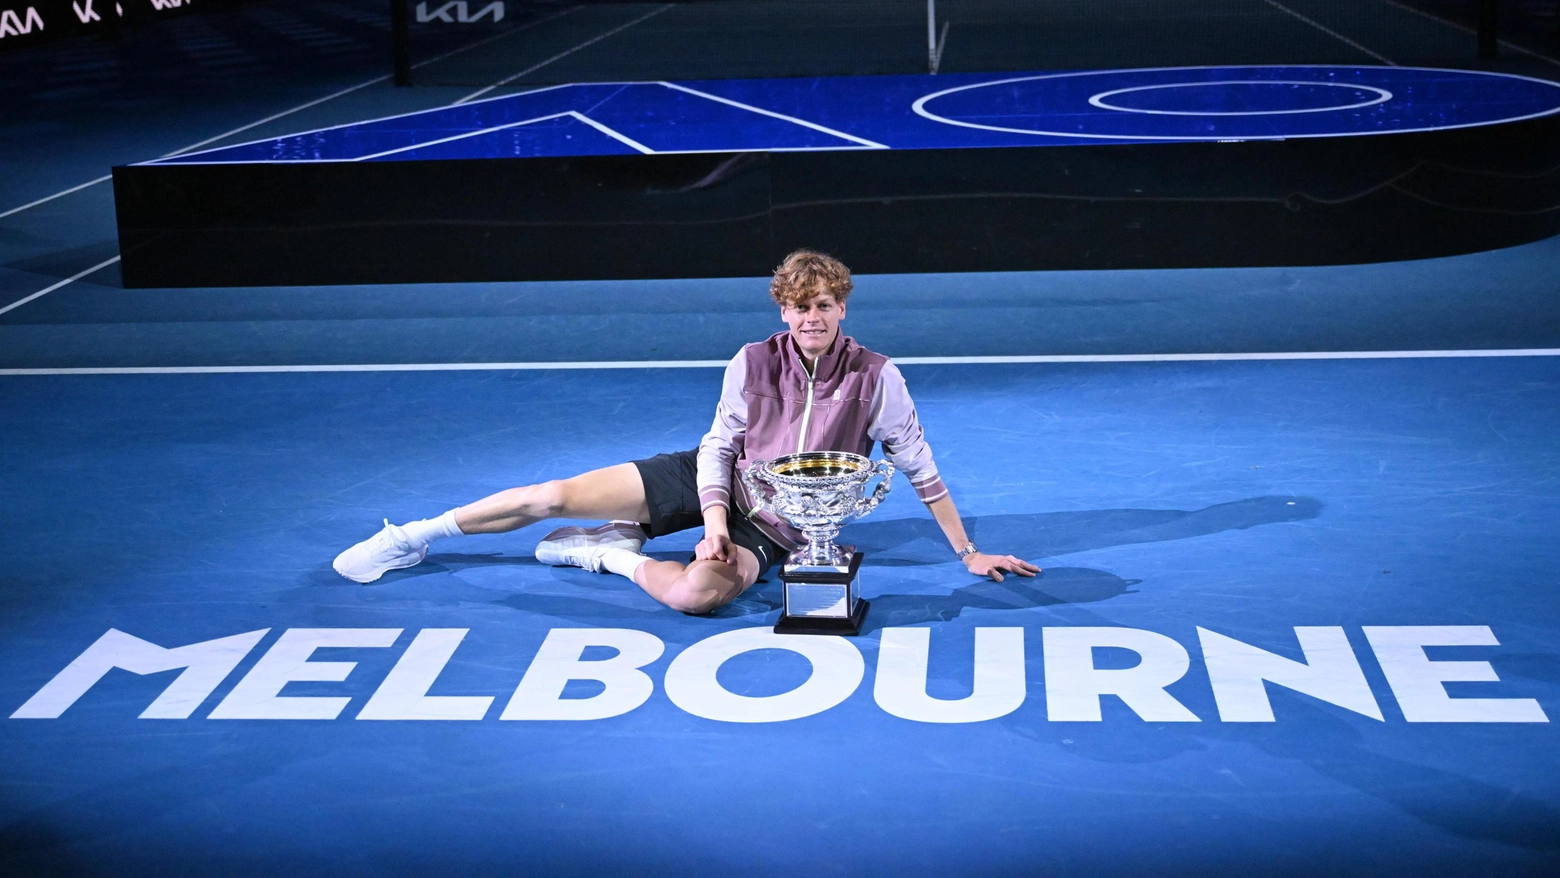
819 492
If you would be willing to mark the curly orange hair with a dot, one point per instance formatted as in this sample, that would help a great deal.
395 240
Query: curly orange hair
806 273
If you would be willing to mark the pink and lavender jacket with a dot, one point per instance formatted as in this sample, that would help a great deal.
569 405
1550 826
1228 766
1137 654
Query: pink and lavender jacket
770 405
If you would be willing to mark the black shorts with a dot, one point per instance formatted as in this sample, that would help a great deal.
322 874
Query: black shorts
672 493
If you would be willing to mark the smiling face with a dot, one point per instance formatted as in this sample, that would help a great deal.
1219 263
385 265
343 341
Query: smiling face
814 322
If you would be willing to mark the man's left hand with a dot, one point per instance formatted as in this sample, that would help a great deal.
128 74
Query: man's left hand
993 566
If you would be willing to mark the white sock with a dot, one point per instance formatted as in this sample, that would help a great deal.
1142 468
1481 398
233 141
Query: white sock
622 562
423 532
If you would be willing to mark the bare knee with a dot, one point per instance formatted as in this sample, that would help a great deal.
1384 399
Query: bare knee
690 596
511 508
708 585
545 500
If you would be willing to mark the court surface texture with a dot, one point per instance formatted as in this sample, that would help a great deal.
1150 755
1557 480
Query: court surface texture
923 112
1221 470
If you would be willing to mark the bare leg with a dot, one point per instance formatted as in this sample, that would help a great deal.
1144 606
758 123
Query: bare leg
700 587
614 492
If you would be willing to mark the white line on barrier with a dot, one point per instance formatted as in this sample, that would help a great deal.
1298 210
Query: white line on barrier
714 364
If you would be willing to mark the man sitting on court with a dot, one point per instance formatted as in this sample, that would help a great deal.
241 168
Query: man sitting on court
807 389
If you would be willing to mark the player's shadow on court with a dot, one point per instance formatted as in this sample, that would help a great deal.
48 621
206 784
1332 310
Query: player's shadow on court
903 542
1057 585
918 541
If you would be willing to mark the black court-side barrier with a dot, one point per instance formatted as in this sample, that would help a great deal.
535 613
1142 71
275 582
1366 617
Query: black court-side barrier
1160 205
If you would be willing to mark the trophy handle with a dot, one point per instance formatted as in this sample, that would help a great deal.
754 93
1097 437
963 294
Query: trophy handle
751 480
886 470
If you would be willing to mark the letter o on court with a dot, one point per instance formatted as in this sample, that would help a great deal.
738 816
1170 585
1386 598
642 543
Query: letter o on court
837 669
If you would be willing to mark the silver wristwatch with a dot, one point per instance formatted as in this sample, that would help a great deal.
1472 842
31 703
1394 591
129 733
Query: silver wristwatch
968 550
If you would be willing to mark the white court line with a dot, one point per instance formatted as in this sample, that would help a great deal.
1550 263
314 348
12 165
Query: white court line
615 135
454 137
435 59
507 125
855 142
1468 30
1382 96
54 286
1330 32
481 131
771 113
51 288
48 198
715 364
1207 358
273 117
289 112
224 134
561 55
919 107
358 122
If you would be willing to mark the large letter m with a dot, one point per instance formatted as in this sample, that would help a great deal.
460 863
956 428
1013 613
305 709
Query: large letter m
205 665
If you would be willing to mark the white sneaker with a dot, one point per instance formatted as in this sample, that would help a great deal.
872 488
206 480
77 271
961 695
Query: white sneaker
390 549
583 546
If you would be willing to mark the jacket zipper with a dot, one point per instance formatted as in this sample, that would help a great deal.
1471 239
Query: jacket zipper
801 439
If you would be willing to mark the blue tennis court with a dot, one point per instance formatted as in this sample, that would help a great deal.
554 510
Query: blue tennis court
1242 498
1297 615
924 112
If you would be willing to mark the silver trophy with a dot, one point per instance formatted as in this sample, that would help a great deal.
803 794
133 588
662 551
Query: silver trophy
819 492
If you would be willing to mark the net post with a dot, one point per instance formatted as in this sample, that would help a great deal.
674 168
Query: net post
1489 15
931 36
401 41
934 40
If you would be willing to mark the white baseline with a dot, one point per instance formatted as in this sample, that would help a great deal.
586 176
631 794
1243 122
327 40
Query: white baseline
716 364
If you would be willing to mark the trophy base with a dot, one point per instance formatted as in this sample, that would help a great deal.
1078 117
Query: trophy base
822 601
847 626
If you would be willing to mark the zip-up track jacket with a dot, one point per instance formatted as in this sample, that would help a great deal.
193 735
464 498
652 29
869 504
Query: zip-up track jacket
770 405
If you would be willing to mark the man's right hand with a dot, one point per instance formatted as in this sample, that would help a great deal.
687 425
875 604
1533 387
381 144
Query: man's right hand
715 547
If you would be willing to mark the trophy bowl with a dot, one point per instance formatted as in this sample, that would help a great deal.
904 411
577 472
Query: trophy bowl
818 492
